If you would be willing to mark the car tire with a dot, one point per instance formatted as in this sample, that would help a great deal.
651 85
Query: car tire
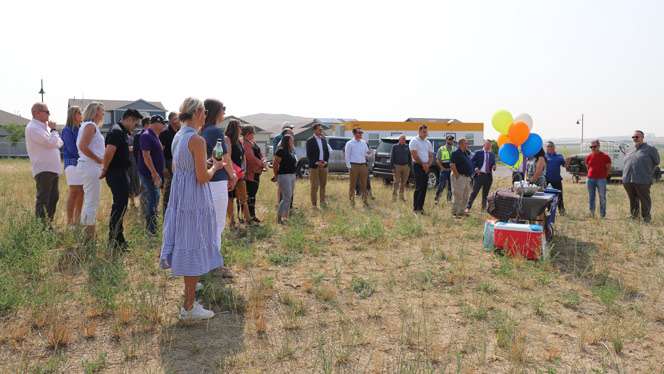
302 170
432 180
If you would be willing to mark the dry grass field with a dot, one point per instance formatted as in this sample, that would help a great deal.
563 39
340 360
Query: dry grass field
339 290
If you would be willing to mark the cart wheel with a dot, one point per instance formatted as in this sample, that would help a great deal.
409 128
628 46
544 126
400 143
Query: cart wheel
549 233
576 179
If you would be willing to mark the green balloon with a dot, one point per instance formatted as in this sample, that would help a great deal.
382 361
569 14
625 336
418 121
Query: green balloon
502 120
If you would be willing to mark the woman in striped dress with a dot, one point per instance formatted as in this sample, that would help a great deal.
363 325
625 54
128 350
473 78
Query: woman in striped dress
189 246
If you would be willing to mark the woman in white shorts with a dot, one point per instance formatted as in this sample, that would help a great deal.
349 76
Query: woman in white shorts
69 135
90 144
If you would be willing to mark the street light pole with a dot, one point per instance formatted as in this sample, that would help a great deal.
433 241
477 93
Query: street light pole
42 90
581 122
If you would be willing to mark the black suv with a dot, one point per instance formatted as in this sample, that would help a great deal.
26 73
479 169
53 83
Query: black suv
382 167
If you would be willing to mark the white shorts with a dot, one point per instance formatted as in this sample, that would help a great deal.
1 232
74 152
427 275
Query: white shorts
73 178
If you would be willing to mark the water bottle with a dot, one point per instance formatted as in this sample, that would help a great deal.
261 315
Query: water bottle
218 150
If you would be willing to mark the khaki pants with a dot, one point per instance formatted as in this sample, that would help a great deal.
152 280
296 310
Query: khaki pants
461 192
401 173
317 178
358 171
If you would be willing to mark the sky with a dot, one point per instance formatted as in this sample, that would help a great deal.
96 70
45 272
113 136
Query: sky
369 60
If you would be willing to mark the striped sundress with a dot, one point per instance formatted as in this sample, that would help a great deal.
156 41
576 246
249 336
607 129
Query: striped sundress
189 245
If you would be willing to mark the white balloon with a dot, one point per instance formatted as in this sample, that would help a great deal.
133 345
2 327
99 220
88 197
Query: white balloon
525 117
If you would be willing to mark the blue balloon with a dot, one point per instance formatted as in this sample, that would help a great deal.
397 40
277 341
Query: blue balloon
509 154
532 145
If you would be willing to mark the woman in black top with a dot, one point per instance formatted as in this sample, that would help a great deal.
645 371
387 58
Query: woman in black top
284 175
236 151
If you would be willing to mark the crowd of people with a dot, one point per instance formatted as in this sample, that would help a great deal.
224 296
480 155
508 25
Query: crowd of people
202 170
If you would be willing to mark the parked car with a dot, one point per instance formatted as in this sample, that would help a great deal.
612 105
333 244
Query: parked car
382 167
337 163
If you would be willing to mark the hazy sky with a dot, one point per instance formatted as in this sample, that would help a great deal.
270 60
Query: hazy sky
370 60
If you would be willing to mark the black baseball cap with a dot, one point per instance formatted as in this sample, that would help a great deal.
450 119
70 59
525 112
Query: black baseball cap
157 118
450 137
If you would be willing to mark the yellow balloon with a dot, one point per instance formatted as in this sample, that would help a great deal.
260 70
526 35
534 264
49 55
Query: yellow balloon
518 163
502 120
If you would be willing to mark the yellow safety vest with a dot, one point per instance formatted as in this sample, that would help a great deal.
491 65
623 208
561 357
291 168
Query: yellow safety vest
444 154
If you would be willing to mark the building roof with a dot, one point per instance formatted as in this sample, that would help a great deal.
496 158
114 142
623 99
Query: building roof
110 105
271 123
6 117
448 120
227 119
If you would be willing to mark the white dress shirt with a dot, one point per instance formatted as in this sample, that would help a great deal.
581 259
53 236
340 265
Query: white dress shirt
43 148
356 152
422 147
319 141
485 162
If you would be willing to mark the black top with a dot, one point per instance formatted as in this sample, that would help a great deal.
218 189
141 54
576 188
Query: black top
118 136
462 162
166 139
313 151
287 164
137 145
237 154
400 155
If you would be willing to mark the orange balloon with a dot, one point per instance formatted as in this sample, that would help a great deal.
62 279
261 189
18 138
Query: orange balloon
502 139
518 133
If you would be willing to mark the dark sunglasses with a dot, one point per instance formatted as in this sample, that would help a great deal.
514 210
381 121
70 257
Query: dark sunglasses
593 146
45 111
635 137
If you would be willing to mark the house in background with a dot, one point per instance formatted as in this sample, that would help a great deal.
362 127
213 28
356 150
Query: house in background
305 131
6 149
262 137
116 108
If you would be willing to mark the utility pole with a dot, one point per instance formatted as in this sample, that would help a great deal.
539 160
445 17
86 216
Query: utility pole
581 122
42 90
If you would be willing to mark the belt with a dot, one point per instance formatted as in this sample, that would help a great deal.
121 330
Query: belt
481 172
405 163
358 163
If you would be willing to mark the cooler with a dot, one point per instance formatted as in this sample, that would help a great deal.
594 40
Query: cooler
521 239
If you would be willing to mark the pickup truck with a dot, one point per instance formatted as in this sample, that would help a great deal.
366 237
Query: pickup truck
337 163
577 165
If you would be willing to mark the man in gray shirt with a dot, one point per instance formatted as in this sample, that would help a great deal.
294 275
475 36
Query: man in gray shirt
638 171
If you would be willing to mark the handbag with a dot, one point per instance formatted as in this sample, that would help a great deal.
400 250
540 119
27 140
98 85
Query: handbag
238 171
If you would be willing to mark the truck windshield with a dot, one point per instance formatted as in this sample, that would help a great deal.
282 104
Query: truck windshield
385 147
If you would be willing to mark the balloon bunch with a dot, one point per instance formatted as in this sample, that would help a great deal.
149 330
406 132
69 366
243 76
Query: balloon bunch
515 133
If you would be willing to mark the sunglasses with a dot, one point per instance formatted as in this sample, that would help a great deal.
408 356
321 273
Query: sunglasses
635 137
593 146
45 111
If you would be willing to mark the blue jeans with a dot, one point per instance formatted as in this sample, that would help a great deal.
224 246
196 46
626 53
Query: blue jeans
444 179
153 202
600 185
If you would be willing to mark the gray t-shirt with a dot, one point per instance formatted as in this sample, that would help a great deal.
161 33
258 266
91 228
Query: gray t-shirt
639 166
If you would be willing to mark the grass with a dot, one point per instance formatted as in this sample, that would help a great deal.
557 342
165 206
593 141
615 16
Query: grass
335 290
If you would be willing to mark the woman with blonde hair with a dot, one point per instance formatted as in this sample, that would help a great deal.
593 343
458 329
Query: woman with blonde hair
90 144
189 242
69 136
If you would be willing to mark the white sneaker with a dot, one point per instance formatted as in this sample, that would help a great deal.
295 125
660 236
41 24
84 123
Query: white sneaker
197 312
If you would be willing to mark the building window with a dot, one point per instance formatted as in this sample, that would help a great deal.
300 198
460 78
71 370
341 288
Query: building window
108 118
471 139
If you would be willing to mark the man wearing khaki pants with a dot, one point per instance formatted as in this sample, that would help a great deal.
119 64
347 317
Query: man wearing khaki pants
461 171
400 160
356 152
318 155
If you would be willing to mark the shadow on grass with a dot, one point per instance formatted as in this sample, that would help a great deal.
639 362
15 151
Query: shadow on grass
574 257
207 346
